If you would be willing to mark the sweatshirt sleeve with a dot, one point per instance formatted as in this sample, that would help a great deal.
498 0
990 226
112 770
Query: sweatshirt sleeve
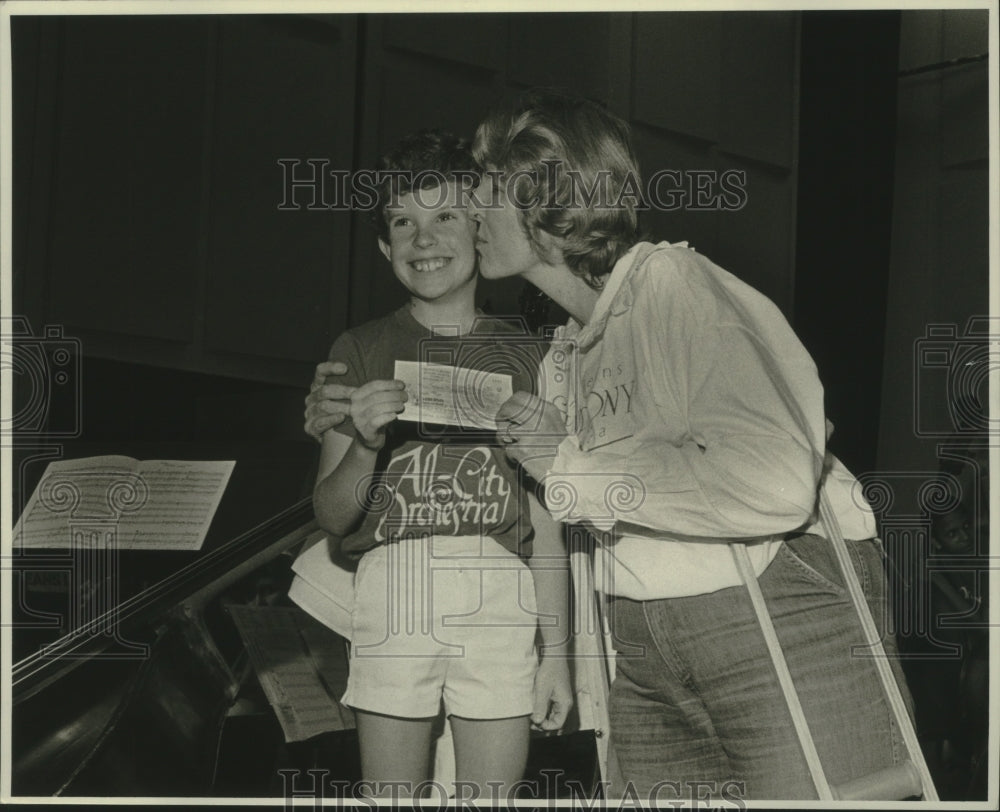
747 460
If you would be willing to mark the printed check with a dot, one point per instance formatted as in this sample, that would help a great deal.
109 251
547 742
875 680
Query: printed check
453 396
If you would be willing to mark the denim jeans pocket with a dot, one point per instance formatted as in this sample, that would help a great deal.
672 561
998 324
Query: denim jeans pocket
813 558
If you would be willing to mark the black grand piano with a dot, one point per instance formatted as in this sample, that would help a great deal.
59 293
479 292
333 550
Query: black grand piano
156 697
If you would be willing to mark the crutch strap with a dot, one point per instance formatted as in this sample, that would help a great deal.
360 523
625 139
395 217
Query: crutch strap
891 784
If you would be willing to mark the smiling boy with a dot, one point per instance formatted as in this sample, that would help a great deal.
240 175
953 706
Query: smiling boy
435 515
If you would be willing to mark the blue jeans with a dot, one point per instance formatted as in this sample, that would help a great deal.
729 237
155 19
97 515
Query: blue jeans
696 698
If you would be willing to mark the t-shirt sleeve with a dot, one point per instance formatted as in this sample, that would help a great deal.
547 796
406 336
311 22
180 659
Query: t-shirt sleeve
346 350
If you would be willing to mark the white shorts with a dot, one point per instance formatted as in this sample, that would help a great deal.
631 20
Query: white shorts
449 618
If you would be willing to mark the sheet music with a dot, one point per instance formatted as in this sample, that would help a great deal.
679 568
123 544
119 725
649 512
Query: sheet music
99 501
302 668
453 396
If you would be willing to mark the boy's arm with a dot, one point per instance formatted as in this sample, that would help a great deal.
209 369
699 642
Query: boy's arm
550 570
346 464
343 463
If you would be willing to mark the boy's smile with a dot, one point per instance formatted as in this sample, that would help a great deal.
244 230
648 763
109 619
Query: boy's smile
426 265
432 243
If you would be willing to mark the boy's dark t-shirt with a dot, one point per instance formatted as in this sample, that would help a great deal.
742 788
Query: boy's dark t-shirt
433 479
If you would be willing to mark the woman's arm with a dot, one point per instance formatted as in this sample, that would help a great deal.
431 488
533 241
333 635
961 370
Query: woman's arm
729 428
327 404
743 487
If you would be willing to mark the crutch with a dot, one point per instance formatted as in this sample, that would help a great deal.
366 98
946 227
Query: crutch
911 778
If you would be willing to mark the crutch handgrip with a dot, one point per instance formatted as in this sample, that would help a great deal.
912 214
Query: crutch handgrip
890 784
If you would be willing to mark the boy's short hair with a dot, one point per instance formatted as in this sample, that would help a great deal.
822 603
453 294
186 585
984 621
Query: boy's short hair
421 160
574 175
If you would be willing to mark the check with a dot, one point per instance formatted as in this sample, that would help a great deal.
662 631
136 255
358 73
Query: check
453 396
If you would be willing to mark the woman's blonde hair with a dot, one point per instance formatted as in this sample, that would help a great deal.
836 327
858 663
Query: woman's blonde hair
572 173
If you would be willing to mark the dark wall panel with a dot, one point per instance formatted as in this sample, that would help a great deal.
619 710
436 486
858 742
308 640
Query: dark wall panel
844 213
757 242
718 93
562 50
126 204
34 49
965 135
477 40
759 75
677 77
456 100
670 217
285 90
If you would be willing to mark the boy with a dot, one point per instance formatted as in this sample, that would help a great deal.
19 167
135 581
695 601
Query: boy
442 608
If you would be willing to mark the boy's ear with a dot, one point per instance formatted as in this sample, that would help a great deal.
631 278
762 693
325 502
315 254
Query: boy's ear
385 248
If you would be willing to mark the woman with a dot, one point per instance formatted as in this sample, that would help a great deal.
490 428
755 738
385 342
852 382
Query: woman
690 388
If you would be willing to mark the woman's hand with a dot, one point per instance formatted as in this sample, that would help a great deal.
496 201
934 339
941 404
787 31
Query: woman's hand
553 693
530 430
373 407
327 404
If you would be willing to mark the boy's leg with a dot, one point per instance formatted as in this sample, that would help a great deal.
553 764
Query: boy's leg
394 749
397 668
490 750
488 692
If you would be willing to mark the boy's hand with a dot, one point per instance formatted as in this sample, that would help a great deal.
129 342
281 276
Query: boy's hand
327 404
553 693
372 407
530 430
